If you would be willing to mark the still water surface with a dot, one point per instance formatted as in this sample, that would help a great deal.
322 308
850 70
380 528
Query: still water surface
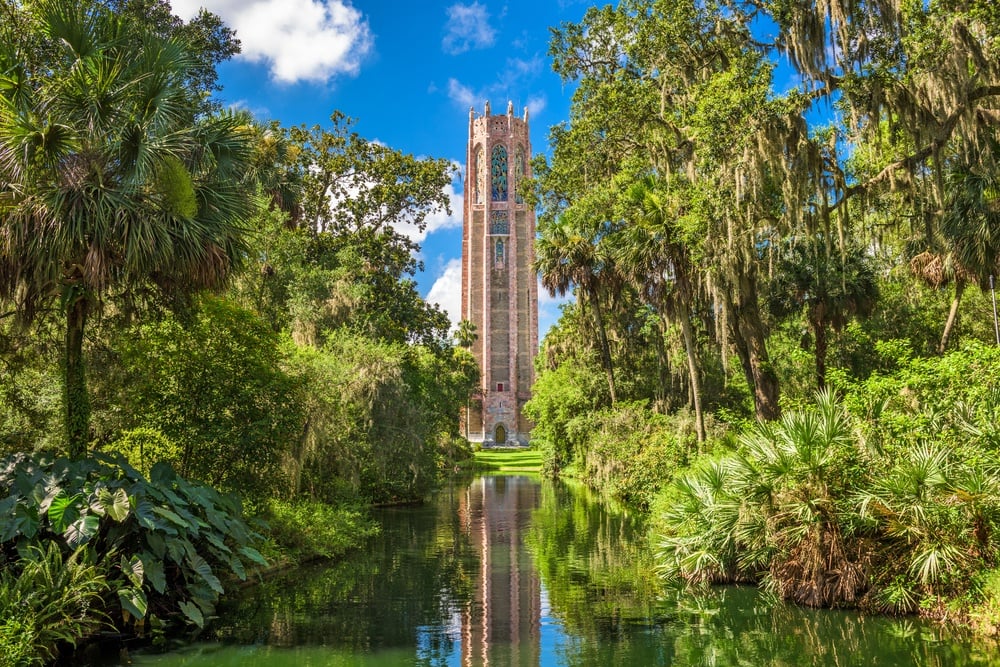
518 571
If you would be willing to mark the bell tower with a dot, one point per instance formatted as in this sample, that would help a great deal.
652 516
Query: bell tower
499 287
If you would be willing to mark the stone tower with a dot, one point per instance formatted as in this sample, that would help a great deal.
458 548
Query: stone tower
499 288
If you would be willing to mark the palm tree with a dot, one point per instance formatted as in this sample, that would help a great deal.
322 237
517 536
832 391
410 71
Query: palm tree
774 512
466 335
108 180
567 258
660 268
832 287
970 234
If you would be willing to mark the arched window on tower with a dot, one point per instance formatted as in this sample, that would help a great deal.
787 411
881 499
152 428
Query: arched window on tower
498 172
518 173
499 223
479 171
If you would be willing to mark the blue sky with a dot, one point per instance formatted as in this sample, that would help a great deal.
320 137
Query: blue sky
407 73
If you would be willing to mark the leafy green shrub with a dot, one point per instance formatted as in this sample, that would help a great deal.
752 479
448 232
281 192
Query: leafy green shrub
985 612
144 447
17 642
213 385
311 530
935 514
381 419
825 511
629 451
163 542
560 395
47 599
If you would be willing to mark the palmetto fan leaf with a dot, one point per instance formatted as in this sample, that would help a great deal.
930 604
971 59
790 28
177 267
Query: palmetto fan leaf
775 509
109 180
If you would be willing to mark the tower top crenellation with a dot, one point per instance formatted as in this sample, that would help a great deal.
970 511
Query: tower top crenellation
487 111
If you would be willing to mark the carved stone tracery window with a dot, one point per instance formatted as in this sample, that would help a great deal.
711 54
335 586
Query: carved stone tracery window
479 169
518 173
498 173
499 223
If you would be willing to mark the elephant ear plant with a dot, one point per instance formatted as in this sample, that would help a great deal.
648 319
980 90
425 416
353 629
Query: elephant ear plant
165 544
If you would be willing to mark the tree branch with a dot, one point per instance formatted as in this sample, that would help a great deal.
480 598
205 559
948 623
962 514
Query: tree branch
910 162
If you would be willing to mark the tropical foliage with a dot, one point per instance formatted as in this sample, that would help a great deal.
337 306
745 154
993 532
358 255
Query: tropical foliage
190 295
113 185
893 505
48 599
161 543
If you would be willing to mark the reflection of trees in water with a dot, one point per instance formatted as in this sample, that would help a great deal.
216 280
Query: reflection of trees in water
597 571
596 568
416 573
729 626
593 561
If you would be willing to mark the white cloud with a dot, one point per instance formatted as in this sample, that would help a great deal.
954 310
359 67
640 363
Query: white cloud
536 105
519 67
447 291
299 40
461 94
468 28
440 219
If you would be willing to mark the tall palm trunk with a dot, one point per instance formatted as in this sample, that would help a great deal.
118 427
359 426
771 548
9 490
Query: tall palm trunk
602 336
690 347
75 397
663 364
952 315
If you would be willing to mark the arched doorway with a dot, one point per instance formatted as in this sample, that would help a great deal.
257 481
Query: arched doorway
500 436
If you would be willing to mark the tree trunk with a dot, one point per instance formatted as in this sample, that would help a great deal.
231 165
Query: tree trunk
750 337
952 315
819 332
663 366
690 347
605 348
75 397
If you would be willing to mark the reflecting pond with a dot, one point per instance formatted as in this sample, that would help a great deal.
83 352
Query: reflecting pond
511 570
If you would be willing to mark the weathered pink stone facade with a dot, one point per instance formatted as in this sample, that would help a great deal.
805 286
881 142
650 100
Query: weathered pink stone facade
499 287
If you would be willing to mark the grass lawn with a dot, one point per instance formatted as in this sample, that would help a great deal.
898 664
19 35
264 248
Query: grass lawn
509 460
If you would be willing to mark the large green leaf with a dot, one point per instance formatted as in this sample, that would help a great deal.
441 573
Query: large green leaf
153 569
237 567
172 517
44 495
115 504
204 570
133 601
24 522
64 510
133 569
147 518
157 544
193 613
80 531
215 541
253 555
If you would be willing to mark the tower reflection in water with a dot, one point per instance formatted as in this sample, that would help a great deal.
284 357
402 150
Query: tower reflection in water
501 624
